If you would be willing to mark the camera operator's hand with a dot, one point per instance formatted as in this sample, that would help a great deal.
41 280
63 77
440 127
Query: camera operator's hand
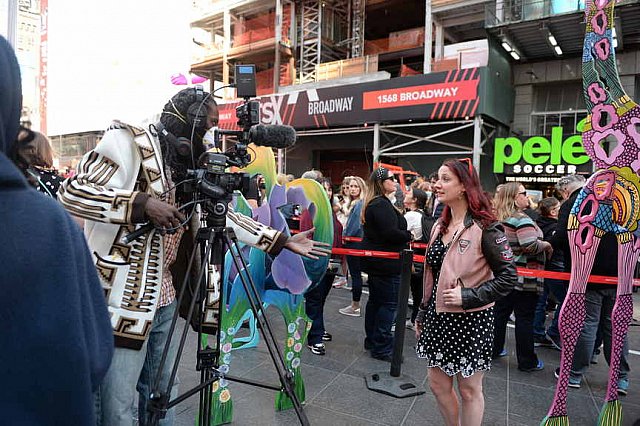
301 244
162 214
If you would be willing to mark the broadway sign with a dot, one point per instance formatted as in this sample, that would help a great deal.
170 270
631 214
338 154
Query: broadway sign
433 97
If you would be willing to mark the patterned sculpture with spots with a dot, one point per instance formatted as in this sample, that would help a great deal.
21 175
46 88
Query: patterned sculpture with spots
609 202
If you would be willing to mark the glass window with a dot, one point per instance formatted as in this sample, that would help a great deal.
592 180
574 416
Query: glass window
559 97
542 124
568 122
537 124
552 120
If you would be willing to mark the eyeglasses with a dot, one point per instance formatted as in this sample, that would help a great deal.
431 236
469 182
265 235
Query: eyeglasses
467 161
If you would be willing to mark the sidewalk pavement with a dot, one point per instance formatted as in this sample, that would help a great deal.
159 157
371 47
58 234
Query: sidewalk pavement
337 394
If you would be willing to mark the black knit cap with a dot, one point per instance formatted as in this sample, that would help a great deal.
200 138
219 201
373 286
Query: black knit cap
380 174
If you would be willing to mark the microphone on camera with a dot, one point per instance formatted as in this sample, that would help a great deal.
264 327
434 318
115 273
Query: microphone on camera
274 136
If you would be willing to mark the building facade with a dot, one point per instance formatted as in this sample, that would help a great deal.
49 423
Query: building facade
544 39
332 68
351 77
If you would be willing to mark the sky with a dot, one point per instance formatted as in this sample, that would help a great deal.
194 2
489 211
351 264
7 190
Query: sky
113 60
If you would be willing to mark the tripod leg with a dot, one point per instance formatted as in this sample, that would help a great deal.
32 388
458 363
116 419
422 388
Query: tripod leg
159 401
255 300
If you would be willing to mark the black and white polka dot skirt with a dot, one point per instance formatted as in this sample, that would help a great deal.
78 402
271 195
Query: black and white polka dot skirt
455 342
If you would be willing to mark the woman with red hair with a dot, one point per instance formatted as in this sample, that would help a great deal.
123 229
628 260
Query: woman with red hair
469 265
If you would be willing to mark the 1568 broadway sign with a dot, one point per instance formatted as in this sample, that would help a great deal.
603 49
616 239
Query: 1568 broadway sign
538 155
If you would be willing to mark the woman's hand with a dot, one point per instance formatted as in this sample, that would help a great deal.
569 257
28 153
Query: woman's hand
420 319
418 329
452 297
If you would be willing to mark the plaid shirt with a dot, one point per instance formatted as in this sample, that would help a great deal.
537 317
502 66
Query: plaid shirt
171 244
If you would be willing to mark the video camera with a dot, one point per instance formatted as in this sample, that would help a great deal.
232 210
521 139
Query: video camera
248 116
212 180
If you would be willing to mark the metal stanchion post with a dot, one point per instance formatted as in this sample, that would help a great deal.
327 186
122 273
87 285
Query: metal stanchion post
393 382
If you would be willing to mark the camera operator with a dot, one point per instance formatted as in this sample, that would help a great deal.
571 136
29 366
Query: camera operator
128 179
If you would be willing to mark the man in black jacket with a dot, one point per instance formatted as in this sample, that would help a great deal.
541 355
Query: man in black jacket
600 298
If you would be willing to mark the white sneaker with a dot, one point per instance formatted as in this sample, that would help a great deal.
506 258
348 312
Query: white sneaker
339 282
410 325
350 311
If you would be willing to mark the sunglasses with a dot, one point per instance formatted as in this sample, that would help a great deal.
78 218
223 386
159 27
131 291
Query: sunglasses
522 193
392 177
467 161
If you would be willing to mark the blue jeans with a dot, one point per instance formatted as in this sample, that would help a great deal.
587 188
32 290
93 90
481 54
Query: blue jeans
314 307
599 304
133 370
355 271
380 313
559 290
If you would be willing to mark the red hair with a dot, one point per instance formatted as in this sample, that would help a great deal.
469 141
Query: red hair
479 204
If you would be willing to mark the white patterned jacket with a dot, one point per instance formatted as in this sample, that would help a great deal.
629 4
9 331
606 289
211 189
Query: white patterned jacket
110 190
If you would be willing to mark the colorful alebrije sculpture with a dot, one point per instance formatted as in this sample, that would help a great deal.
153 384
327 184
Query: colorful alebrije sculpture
281 282
609 202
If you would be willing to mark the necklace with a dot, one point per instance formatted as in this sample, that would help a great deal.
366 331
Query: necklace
455 233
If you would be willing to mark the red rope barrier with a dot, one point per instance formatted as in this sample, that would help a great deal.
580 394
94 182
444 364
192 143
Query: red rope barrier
594 279
414 245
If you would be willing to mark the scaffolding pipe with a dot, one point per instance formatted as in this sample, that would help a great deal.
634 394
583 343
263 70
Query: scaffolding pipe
477 142
376 142
428 36
278 39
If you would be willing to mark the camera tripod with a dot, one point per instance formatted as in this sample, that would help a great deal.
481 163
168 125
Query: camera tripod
210 247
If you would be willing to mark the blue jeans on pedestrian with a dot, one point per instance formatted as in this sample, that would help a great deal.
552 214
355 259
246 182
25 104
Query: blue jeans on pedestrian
540 315
314 307
355 270
381 313
559 290
599 304
133 370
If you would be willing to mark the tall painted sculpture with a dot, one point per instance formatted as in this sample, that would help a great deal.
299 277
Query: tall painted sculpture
281 282
609 202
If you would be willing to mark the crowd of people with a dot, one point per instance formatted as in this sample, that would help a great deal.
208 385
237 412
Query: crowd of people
461 304
463 295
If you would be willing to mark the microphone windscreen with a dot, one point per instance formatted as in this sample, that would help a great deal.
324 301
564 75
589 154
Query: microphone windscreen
275 136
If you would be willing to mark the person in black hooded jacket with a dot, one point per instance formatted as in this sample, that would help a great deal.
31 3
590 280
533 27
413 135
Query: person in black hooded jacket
385 229
56 335
548 222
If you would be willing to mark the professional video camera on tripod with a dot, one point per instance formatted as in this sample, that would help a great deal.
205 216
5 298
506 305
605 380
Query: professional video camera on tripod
212 187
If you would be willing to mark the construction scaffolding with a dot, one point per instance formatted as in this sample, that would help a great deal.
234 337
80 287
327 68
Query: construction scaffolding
357 28
323 34
310 39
